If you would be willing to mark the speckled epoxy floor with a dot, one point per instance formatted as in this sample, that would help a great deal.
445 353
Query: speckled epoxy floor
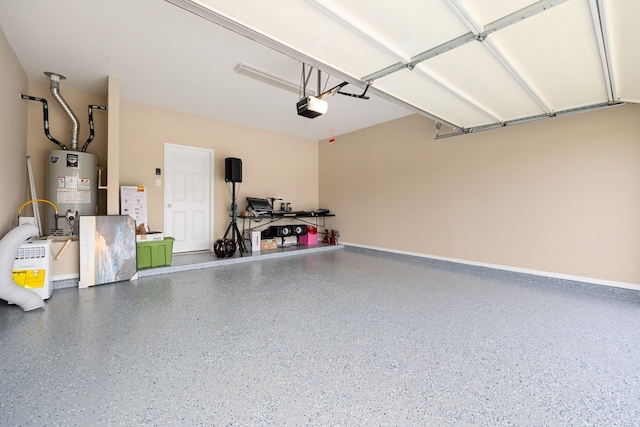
343 337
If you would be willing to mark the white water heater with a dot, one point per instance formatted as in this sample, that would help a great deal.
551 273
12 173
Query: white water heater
72 185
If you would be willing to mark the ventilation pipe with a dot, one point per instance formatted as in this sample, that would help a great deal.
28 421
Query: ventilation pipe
54 86
9 290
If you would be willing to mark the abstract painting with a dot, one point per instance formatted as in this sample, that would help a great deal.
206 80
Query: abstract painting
107 249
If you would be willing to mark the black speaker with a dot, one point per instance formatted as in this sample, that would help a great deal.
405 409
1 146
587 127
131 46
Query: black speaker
299 229
232 169
281 230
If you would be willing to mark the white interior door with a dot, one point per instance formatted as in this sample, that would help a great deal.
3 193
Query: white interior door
188 197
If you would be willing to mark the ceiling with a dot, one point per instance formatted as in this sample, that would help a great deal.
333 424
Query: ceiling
468 64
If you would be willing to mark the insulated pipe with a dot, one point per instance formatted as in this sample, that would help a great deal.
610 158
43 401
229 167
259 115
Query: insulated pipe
91 131
9 291
55 91
45 117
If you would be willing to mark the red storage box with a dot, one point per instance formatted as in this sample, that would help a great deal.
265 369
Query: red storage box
311 238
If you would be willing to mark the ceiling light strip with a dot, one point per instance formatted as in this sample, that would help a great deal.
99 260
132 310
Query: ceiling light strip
269 78
599 24
210 15
350 23
530 119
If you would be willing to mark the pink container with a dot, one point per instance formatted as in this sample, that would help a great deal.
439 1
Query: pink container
311 238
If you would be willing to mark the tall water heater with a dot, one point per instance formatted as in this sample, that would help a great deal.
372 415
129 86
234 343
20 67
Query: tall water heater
72 185
72 174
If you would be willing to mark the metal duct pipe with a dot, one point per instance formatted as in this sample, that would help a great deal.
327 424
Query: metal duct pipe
55 91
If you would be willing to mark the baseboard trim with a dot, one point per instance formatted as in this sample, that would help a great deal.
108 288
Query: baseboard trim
498 267
61 277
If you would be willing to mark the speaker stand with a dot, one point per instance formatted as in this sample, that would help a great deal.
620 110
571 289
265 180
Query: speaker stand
236 236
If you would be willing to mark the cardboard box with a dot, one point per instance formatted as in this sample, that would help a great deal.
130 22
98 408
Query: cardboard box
149 236
268 244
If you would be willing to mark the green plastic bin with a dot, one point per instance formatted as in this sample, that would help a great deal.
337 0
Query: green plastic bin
154 253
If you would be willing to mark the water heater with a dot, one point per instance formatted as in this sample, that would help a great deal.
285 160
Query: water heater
72 173
72 185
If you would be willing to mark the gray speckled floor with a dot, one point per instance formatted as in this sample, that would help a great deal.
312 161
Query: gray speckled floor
334 338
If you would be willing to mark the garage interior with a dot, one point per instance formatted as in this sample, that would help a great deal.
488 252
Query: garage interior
481 162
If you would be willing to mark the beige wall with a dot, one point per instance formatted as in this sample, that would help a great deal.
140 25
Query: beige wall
558 196
273 164
13 136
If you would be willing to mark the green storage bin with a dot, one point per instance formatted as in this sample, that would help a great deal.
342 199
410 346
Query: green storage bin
154 253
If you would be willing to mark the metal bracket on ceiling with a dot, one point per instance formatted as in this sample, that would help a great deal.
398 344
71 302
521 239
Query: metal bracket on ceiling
333 90
336 89
305 80
529 119
481 37
361 96
462 131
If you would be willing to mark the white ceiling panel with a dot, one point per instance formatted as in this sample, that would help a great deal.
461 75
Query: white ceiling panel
414 88
478 76
308 30
429 23
485 12
558 53
622 20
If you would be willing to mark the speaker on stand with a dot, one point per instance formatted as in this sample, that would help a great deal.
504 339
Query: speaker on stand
232 169
233 174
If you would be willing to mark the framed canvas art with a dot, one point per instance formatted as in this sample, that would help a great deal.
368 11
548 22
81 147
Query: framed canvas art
107 249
